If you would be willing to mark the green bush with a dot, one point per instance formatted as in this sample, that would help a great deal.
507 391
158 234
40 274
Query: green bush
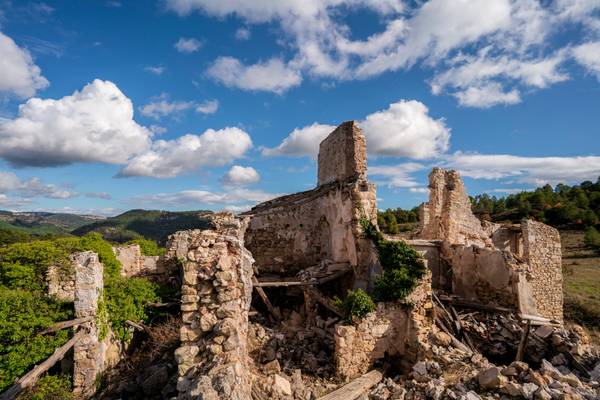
49 387
592 238
393 284
22 315
355 305
148 247
10 236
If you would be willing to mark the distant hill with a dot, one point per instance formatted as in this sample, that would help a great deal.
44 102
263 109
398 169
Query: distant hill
43 223
150 224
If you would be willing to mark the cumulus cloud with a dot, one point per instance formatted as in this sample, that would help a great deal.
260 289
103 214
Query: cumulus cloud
301 141
404 129
169 158
239 176
435 33
32 187
531 170
197 198
188 45
161 106
588 55
12 202
20 75
208 107
271 76
92 125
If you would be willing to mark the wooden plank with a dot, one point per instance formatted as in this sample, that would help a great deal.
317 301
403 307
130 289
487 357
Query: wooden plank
356 388
265 299
523 342
30 378
457 343
282 283
326 302
66 324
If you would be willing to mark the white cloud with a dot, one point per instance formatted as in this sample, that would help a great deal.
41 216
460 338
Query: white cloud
162 107
157 129
239 176
242 34
99 195
487 95
588 55
396 175
271 76
188 45
20 75
92 125
156 70
208 107
419 190
531 170
197 198
32 187
405 129
301 141
509 190
169 158
13 203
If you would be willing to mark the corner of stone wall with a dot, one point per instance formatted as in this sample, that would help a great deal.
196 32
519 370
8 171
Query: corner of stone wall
393 329
216 293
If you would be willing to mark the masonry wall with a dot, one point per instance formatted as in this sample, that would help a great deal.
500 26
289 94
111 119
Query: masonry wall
542 250
213 362
394 329
343 155
61 282
134 263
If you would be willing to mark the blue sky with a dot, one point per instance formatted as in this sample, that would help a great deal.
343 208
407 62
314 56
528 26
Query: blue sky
195 104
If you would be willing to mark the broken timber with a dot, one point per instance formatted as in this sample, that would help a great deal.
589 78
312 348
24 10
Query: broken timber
265 299
66 324
356 388
30 378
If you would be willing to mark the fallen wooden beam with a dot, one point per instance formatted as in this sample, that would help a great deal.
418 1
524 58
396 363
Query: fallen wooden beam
326 302
30 378
265 299
461 303
457 343
523 342
282 283
66 324
356 388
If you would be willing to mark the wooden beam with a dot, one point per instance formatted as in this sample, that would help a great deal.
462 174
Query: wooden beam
326 302
66 324
282 283
356 388
523 342
30 378
461 303
457 343
265 299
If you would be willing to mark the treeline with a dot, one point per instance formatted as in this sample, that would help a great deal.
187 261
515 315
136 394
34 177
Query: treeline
562 206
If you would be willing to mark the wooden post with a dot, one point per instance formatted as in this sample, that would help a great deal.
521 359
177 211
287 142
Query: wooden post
356 388
30 378
66 324
523 342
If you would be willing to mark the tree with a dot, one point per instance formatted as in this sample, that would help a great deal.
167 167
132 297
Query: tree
592 238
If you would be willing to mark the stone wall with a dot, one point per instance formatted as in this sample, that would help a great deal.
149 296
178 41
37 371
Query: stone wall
294 232
216 293
395 329
542 250
87 360
61 282
343 155
134 263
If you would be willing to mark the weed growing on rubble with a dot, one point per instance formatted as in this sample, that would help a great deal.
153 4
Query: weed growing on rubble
49 387
355 305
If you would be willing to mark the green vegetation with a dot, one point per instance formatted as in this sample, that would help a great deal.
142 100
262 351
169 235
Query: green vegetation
22 315
148 247
49 387
592 238
355 305
398 220
145 224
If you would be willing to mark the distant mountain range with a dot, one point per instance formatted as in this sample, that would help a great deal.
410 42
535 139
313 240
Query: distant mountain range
149 224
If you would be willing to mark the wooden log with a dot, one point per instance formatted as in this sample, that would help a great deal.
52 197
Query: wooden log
265 299
356 388
282 283
457 343
30 378
523 342
326 302
66 324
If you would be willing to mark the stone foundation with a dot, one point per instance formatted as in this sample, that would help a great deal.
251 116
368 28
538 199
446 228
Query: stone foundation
216 294
395 329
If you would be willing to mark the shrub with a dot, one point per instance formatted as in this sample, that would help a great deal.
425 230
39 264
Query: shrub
355 305
148 247
22 315
49 387
592 238
393 284
10 236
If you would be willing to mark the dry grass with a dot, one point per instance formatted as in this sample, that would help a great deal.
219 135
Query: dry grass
581 269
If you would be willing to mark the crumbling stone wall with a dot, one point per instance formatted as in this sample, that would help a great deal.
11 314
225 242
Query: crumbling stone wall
343 155
393 329
543 253
87 360
134 263
294 232
61 282
216 294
